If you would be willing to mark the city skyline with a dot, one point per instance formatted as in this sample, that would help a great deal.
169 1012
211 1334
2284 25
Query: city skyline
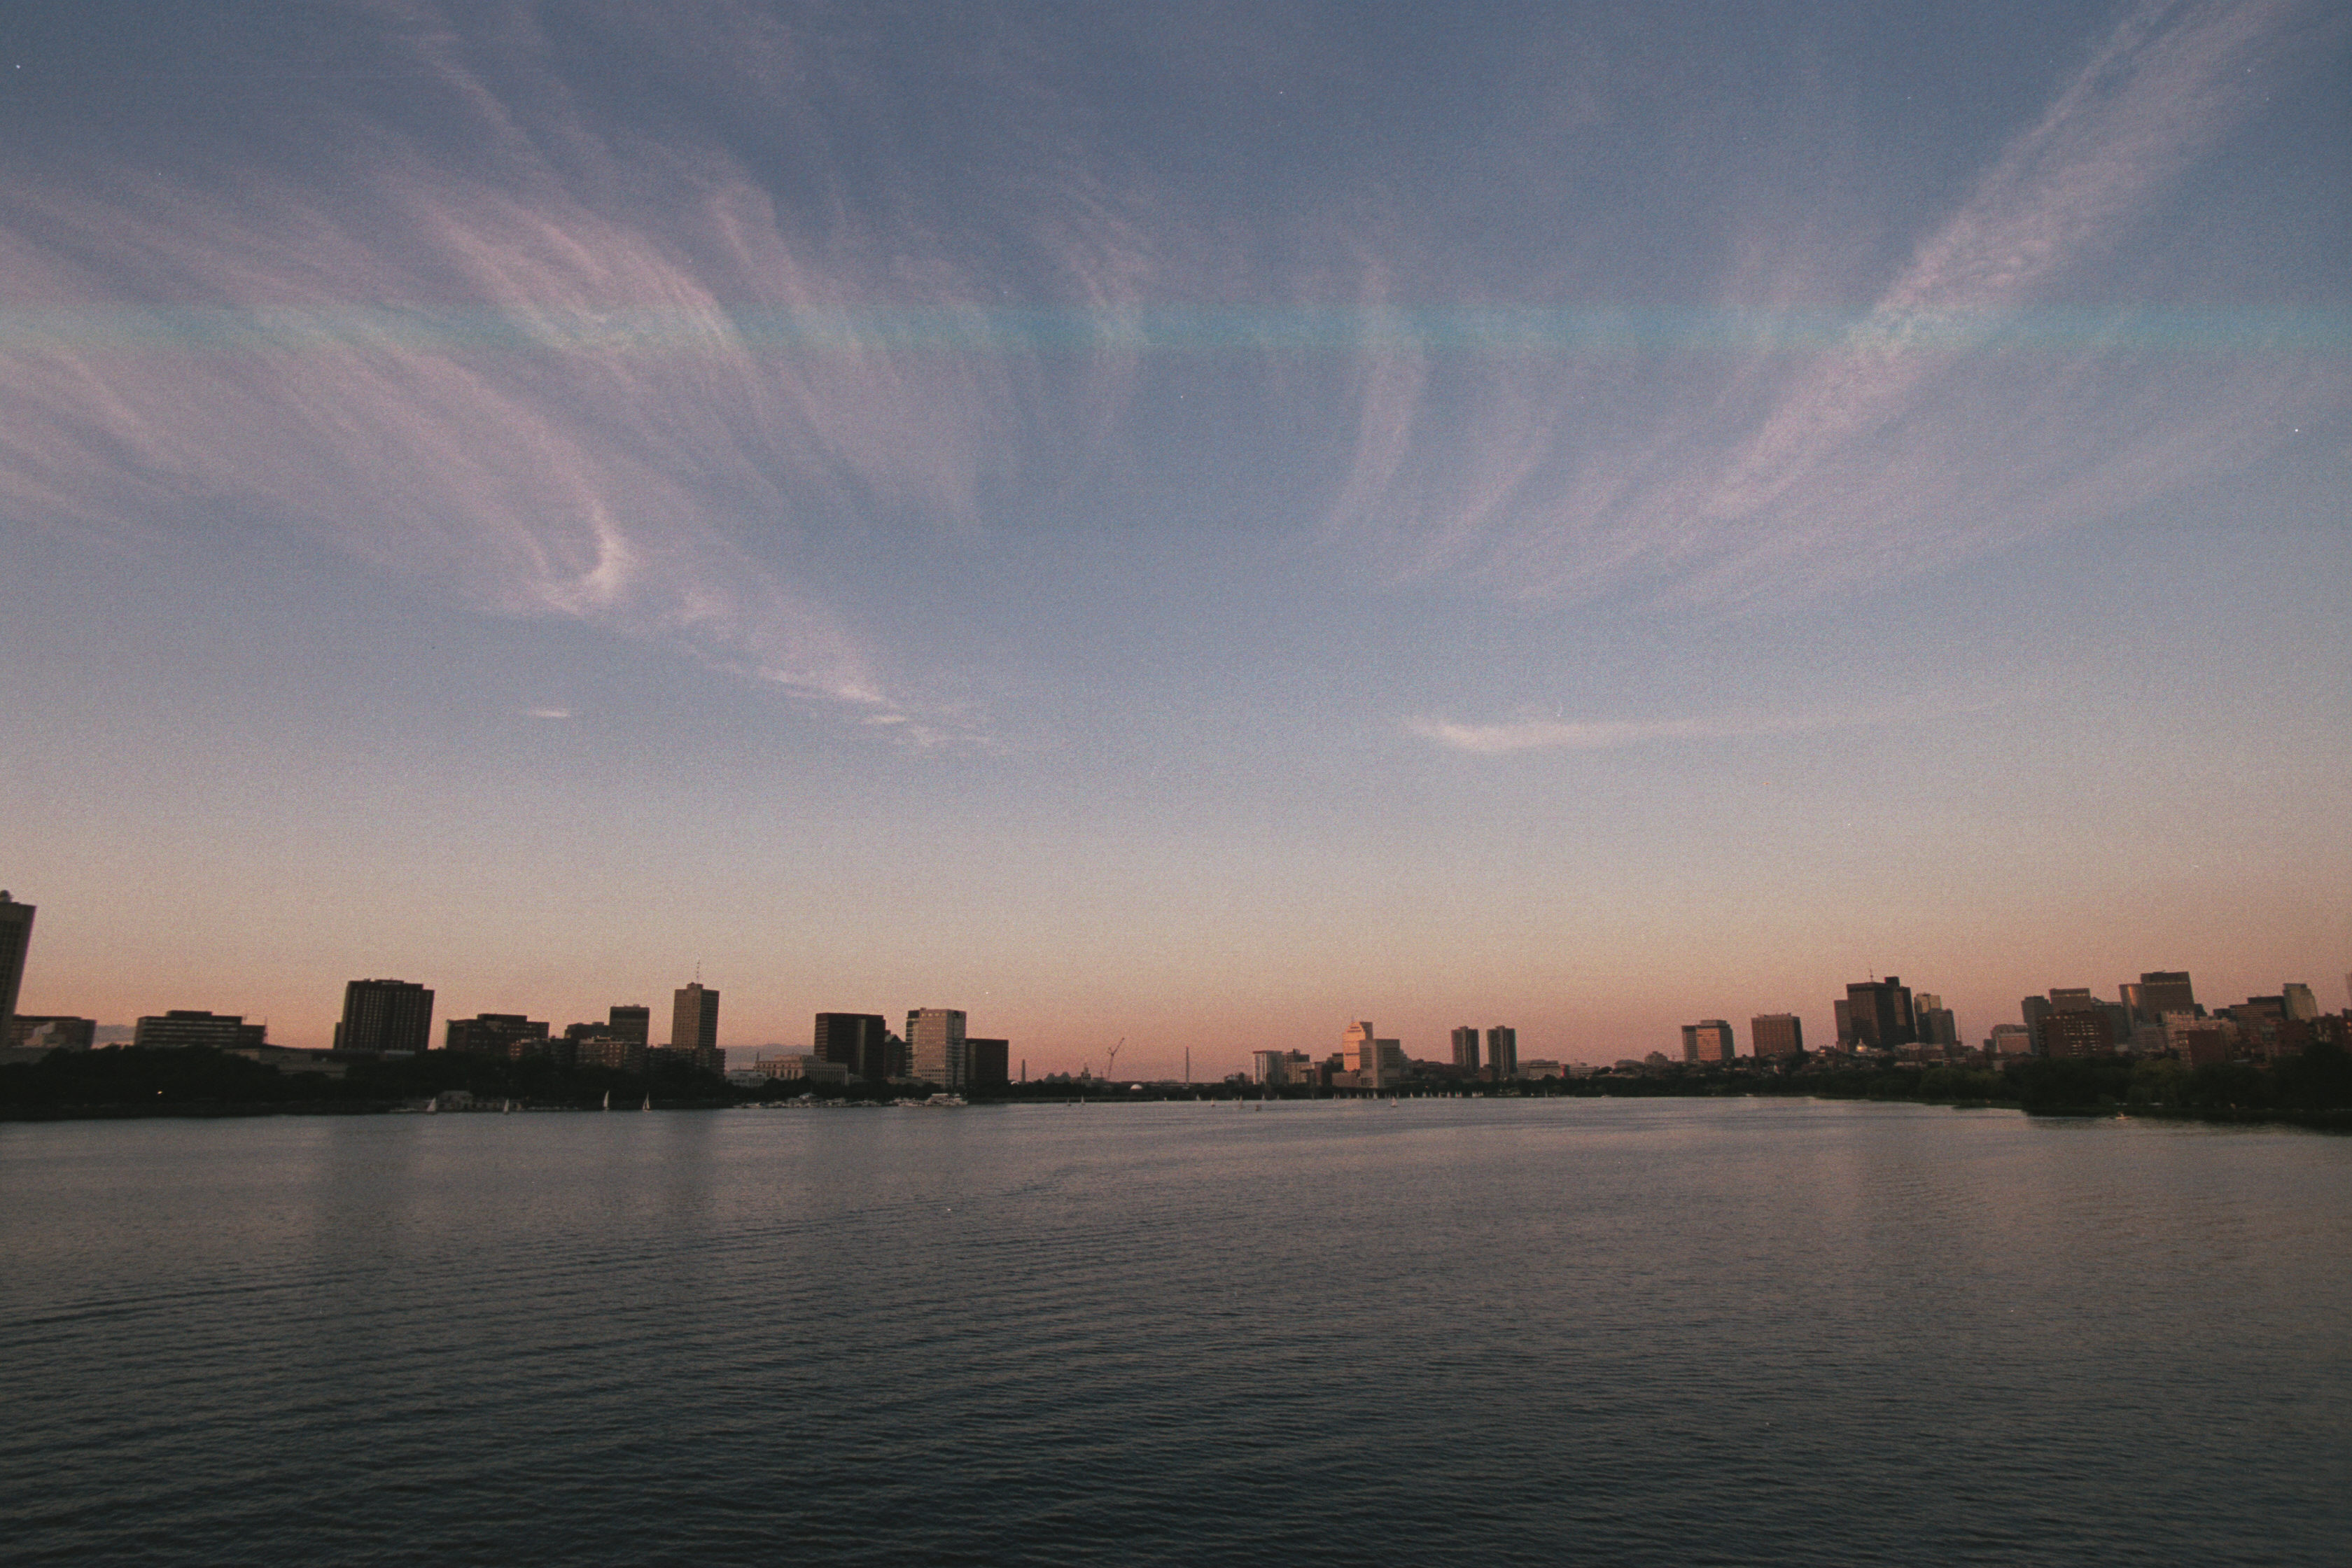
1178 524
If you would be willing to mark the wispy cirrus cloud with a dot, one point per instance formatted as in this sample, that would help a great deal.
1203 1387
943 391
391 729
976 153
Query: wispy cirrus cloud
1770 448
1506 737
583 372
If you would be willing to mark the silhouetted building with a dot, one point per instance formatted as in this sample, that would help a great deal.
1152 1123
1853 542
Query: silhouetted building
2301 1004
1708 1041
382 1016
1842 1014
508 1034
600 1047
180 1029
1776 1034
1878 1015
935 1046
2076 1032
857 1042
1359 1054
1937 1029
633 1024
37 1032
988 1065
1503 1052
1465 1049
15 940
2158 992
694 1027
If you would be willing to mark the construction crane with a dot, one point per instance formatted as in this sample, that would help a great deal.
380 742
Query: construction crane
1110 1070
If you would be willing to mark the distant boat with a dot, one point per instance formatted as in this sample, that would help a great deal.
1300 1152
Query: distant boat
648 1105
608 1100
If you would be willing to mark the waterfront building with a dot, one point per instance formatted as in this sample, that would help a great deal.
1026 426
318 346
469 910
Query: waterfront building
2158 992
1271 1068
1879 1016
2009 1040
1465 1050
1935 1025
1541 1067
857 1042
935 1046
1773 1035
801 1067
15 940
183 1027
694 1027
508 1034
37 1032
382 1016
1359 1052
2076 1032
1709 1040
1503 1052
2300 1003
603 1048
633 1023
988 1065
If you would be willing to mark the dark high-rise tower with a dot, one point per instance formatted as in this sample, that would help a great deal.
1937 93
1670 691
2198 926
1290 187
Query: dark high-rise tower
694 1026
1465 1049
382 1016
1878 1012
858 1041
1503 1052
633 1026
15 937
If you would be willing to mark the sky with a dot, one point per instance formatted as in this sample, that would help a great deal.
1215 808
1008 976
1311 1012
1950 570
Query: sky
1183 523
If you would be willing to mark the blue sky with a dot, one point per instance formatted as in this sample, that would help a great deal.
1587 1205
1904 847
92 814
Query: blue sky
1189 522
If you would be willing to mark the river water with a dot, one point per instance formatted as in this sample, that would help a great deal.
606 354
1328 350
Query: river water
1440 1331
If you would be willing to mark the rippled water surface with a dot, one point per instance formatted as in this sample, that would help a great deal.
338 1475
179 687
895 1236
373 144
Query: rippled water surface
1442 1332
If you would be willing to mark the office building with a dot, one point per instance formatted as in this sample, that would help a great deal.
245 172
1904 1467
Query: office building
694 1027
1773 1034
35 1032
987 1066
1709 1040
1271 1068
1503 1053
596 1047
2009 1040
2158 992
508 1034
1359 1054
633 1024
857 1042
1937 1028
2076 1032
1879 1016
1842 1023
15 940
1465 1050
935 1046
180 1029
381 1016
2300 1003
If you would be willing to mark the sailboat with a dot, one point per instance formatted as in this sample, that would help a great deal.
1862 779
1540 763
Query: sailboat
648 1105
608 1100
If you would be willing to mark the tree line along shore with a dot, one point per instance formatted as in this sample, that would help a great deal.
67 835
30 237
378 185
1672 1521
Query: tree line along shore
2312 1090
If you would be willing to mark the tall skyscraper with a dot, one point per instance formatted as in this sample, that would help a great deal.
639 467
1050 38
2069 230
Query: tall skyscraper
1360 1053
2161 991
15 939
2300 1003
1771 1035
382 1016
858 1041
1503 1052
632 1025
1465 1049
935 1046
694 1027
1878 1012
